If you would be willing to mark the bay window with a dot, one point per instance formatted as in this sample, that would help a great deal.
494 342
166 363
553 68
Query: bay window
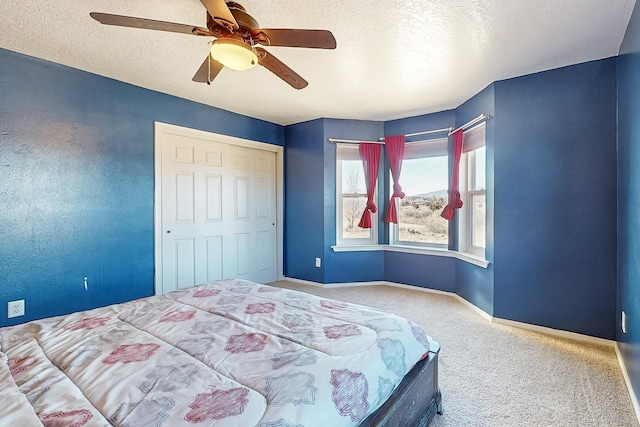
425 180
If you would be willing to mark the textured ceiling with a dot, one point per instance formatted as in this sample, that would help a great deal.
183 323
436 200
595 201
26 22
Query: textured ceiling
394 58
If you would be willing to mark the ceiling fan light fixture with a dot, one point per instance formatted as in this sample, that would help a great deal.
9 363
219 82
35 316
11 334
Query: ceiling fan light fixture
233 54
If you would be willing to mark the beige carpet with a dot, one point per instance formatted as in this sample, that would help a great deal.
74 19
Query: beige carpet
496 375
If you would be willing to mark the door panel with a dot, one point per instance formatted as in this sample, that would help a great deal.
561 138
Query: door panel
263 204
263 250
214 197
213 158
214 258
244 254
184 251
182 154
184 198
242 199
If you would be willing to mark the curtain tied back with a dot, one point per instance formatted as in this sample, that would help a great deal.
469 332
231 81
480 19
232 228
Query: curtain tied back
395 151
370 155
454 202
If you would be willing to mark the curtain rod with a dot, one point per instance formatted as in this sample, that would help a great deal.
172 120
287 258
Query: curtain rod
353 141
381 139
449 130
425 132
470 123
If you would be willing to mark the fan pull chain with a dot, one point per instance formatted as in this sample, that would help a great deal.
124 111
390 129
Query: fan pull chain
253 49
209 68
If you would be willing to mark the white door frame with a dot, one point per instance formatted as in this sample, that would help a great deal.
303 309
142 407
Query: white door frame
163 128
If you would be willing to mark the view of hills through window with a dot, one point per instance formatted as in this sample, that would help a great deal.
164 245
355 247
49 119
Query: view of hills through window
424 181
420 220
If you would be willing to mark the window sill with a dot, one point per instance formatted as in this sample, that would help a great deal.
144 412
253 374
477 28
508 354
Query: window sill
357 248
462 256
472 259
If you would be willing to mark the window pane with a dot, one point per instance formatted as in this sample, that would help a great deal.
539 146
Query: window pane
352 209
480 169
420 220
353 177
478 210
425 183
351 198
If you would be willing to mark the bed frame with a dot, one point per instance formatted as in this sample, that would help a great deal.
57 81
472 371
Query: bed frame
415 401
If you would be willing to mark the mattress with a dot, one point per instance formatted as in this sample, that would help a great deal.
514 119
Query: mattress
226 353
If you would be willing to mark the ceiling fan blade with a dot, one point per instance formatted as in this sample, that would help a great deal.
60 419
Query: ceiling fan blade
320 39
148 24
208 70
220 13
278 68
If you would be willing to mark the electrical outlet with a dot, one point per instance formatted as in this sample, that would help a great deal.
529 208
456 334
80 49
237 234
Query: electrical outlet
15 308
318 262
624 322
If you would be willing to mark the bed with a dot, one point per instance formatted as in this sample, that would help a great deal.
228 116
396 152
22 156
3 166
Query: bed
226 353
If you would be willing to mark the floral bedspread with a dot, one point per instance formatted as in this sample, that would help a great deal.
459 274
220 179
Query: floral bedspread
226 353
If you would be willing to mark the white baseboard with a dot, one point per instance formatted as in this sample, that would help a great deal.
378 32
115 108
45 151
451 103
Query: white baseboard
333 285
303 282
627 380
418 288
478 310
475 308
521 325
554 332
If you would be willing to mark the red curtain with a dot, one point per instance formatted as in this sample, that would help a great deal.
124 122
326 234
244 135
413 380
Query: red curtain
395 151
454 202
370 155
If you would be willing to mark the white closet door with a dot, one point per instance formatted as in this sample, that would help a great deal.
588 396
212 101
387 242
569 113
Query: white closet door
218 212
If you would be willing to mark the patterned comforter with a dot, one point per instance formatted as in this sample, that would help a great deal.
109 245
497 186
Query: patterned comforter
227 353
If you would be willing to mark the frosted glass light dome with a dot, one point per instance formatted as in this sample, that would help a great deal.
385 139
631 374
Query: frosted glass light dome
233 54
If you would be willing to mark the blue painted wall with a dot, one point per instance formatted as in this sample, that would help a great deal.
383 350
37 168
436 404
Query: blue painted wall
555 198
416 269
76 187
344 267
443 119
310 210
432 272
629 199
473 283
304 201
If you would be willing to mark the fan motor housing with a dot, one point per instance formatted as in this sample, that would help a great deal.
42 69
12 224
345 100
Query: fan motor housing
244 20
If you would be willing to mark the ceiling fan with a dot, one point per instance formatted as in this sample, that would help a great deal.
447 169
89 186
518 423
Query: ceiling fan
237 39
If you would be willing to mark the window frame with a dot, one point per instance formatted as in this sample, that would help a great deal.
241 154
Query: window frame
344 148
474 139
434 147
